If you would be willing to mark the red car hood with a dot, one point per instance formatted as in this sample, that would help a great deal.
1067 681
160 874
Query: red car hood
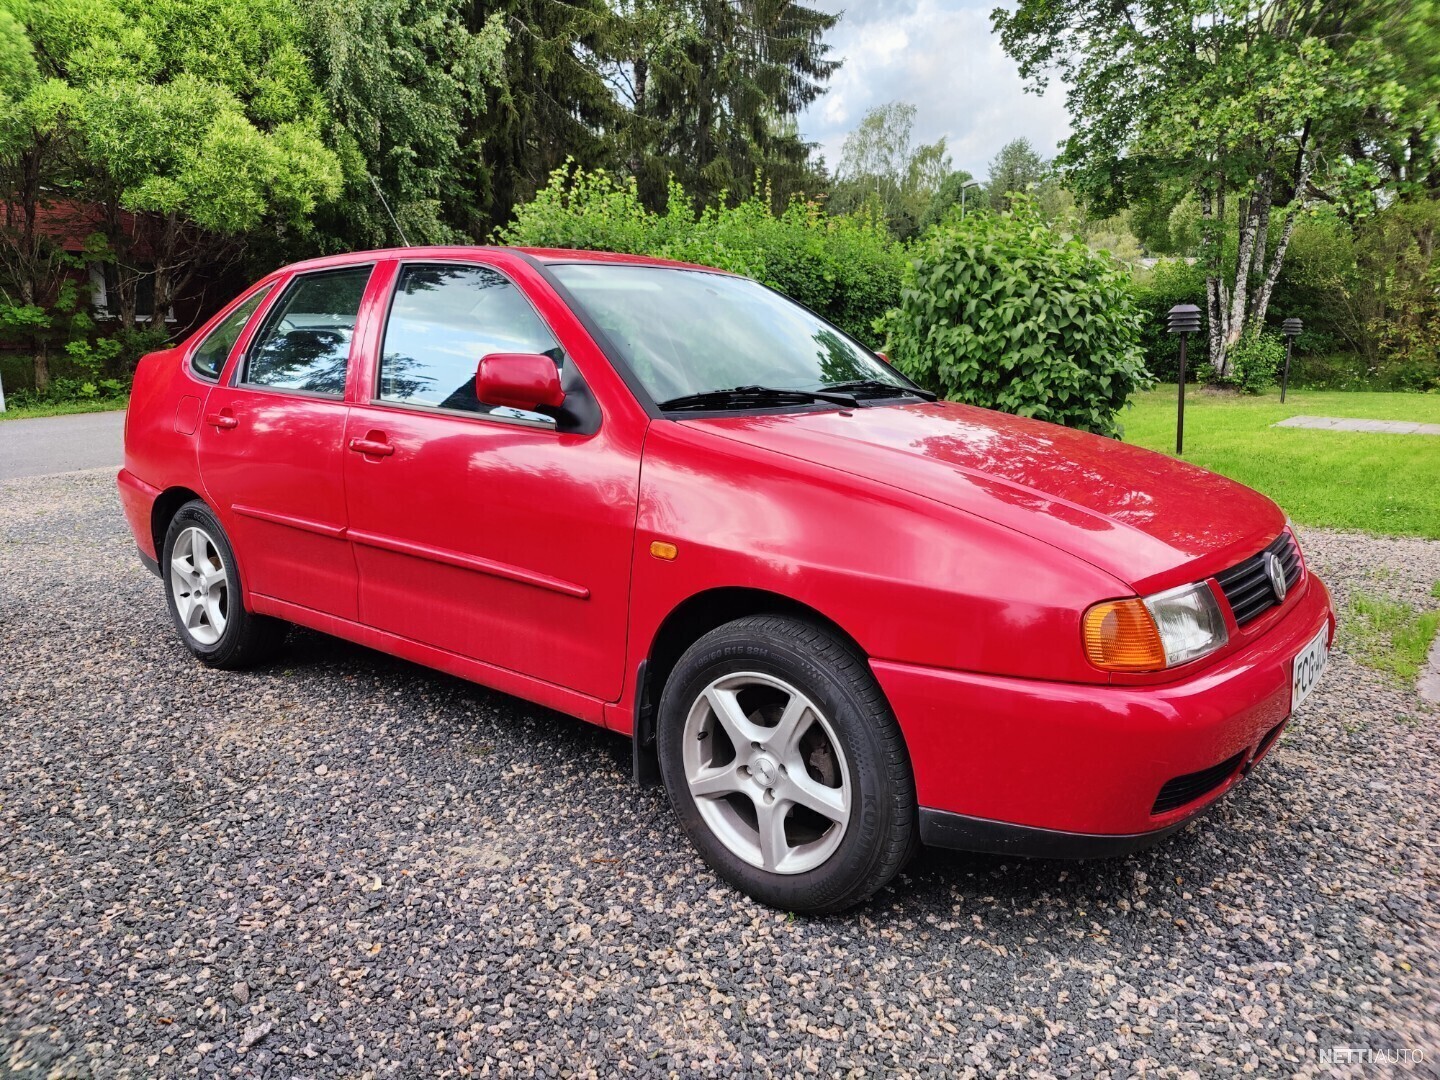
1140 516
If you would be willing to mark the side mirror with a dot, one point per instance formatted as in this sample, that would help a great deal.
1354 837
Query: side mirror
887 359
519 381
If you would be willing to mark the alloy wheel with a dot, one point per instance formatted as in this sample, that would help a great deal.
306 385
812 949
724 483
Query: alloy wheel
767 773
199 585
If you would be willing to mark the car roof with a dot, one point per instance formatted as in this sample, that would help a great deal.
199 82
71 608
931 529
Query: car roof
461 251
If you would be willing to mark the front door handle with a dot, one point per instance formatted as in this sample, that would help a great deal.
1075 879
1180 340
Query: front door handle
222 420
373 447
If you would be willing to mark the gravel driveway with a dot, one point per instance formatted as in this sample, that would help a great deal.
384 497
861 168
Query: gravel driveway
345 865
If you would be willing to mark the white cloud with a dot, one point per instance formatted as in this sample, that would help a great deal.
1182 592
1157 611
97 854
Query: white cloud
942 57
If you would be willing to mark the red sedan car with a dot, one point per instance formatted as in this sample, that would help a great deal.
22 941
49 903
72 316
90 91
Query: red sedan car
838 617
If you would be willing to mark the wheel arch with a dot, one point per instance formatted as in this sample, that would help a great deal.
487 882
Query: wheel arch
167 505
687 623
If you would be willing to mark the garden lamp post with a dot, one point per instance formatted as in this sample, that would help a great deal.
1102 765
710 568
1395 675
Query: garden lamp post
964 188
1184 319
1291 329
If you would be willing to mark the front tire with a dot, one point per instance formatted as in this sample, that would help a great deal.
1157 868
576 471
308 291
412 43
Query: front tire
785 765
202 591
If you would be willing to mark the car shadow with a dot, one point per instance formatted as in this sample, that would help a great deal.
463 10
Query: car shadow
1144 898
332 656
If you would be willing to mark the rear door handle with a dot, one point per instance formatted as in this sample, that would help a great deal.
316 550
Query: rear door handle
375 447
222 420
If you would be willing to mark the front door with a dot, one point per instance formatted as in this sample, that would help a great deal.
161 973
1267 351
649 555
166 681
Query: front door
272 445
488 532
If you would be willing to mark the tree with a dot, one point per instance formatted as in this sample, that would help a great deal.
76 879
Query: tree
404 83
37 121
552 104
645 36
1256 107
203 121
197 118
880 164
712 90
950 193
1016 168
1399 148
17 57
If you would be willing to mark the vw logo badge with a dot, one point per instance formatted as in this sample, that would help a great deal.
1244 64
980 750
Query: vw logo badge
1275 571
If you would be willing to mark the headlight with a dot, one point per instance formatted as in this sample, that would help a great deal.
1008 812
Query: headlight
1155 632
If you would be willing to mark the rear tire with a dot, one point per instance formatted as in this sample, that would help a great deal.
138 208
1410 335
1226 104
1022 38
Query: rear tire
203 593
786 766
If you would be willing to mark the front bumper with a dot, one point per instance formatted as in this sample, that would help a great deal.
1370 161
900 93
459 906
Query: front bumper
1024 767
940 828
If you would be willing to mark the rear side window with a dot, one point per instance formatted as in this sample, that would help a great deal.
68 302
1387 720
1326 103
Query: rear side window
210 357
443 320
304 343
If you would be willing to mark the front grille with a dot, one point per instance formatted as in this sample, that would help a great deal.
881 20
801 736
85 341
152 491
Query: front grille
1247 586
1186 789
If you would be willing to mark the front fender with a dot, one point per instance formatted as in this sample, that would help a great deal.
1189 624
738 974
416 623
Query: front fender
909 579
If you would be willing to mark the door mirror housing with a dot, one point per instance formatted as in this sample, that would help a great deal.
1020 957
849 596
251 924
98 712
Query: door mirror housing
527 381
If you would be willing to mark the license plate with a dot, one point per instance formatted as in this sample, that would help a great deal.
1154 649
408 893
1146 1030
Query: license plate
1306 670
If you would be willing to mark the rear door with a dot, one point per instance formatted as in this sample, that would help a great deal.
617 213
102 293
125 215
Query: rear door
272 444
490 532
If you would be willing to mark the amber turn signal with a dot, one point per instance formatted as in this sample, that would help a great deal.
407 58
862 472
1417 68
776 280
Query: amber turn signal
1120 635
662 550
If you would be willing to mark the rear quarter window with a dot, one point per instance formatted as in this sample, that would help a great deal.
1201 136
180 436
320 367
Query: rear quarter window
209 357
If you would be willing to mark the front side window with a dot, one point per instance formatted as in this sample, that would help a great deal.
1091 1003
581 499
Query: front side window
305 342
693 332
210 356
443 320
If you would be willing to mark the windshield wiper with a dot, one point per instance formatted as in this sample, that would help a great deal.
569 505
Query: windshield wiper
739 396
879 388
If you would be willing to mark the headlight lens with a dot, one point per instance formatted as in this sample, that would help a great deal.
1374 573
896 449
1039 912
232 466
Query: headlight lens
1155 632
1189 622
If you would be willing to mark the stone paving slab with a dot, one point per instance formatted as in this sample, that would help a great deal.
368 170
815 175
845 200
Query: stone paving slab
1343 423
1430 677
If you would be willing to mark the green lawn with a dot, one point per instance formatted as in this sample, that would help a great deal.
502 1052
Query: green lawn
64 408
1389 636
1385 484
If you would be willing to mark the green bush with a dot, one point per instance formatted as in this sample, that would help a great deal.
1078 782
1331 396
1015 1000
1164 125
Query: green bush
1397 254
85 370
64 389
1255 362
999 310
1170 282
848 269
1330 371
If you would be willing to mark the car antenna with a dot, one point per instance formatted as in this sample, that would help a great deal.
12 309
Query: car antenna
376 185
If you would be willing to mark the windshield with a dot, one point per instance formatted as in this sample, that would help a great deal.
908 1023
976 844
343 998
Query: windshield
685 332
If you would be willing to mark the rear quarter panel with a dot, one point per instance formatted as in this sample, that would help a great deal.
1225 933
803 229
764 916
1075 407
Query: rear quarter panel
165 408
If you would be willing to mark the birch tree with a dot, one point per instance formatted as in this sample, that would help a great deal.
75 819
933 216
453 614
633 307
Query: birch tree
880 163
1259 108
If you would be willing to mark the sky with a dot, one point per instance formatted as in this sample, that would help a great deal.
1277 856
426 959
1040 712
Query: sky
941 57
